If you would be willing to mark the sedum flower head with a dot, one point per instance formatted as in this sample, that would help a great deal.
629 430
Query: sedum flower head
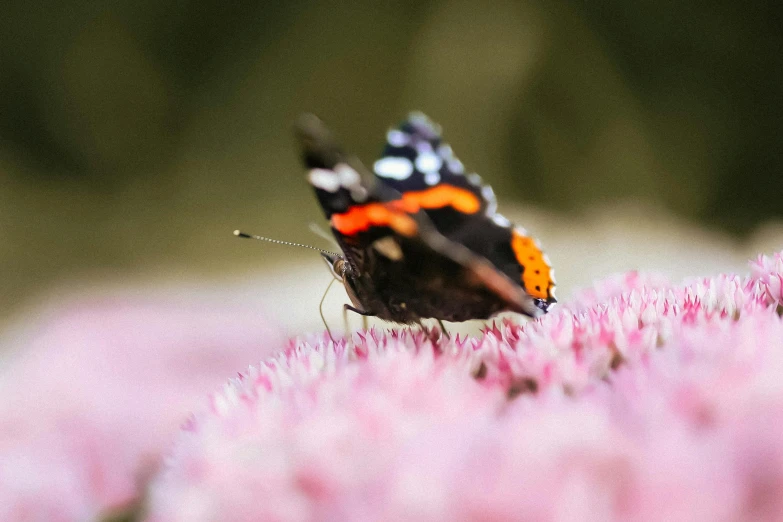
640 400
769 271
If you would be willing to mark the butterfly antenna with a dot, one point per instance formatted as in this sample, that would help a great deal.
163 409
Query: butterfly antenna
239 233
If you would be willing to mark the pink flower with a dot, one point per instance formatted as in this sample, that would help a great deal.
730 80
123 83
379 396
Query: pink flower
645 402
615 286
97 391
639 399
769 271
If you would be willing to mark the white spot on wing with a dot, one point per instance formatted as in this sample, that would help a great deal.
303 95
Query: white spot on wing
445 151
359 194
456 166
428 162
348 176
397 138
324 179
552 276
423 147
417 117
501 221
432 178
474 178
393 167
488 193
352 181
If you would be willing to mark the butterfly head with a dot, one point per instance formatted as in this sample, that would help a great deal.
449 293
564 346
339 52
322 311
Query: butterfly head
336 264
342 271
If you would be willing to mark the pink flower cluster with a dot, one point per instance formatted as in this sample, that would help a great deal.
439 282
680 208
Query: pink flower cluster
96 392
641 400
769 270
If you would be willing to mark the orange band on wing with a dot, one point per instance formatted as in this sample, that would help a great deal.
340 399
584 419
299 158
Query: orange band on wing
445 196
361 218
396 214
537 276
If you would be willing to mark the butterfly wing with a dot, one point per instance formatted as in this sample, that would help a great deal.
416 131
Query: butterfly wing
399 266
418 163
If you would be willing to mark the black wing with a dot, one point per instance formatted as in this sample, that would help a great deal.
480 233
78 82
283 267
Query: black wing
402 266
417 160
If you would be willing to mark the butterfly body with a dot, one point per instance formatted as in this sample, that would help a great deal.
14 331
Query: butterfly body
383 282
419 238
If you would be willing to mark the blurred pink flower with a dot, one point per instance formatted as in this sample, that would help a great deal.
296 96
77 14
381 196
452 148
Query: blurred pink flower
615 286
640 402
769 270
97 391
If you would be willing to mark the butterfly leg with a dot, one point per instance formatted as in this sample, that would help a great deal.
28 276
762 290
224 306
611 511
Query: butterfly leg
430 332
347 308
443 329
321 309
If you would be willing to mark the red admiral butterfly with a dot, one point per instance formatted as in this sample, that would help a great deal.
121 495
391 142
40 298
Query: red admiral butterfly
420 238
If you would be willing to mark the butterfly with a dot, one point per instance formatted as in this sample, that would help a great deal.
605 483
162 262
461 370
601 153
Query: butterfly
420 238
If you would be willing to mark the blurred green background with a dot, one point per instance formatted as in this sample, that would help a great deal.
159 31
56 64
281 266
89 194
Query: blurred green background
136 135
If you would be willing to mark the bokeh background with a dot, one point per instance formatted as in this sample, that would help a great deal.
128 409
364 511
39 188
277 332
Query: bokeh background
136 135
